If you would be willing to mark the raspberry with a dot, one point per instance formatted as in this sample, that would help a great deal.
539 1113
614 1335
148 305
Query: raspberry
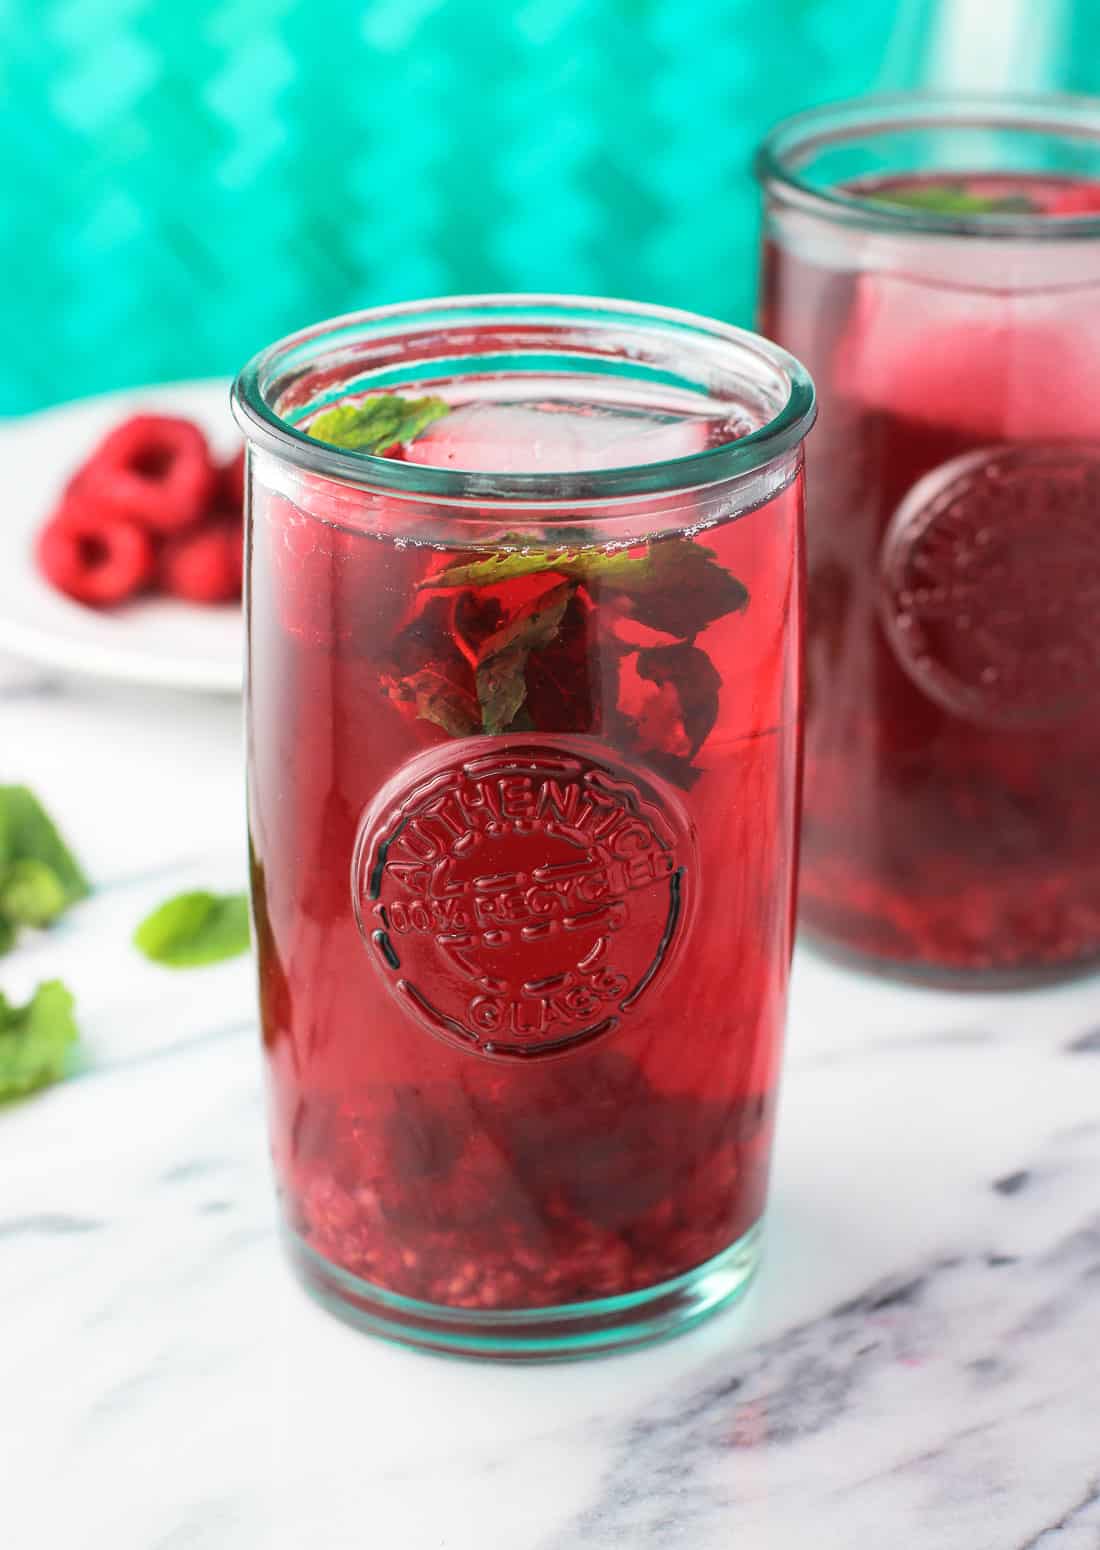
153 470
95 559
76 489
203 567
229 495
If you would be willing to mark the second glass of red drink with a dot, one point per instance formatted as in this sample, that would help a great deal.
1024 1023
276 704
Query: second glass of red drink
936 264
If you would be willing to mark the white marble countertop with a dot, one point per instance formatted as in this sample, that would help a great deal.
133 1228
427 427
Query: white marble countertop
918 1364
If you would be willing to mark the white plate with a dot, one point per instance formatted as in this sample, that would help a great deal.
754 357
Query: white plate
153 641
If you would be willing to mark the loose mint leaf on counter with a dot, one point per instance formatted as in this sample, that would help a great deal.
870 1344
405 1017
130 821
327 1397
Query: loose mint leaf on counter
27 833
382 421
674 584
31 894
35 1039
195 929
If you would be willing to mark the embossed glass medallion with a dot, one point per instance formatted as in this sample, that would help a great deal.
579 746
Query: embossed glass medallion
525 603
991 584
936 262
521 902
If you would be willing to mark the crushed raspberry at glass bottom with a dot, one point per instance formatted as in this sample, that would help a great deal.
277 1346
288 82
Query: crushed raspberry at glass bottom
522 822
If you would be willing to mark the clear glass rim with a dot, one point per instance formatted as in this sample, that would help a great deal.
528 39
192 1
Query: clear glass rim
263 426
790 142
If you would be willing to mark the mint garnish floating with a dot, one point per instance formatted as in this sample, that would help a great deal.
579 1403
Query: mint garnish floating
953 199
195 929
675 585
382 421
35 1039
39 875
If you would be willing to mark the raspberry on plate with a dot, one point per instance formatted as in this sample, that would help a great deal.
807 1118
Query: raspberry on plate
155 470
95 559
203 567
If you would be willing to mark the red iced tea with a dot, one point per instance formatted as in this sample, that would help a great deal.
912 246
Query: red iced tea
952 324
522 818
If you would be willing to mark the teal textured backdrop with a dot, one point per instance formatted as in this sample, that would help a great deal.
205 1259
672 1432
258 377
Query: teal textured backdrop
185 181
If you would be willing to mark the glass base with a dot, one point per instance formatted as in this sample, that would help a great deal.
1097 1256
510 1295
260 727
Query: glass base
937 976
565 1332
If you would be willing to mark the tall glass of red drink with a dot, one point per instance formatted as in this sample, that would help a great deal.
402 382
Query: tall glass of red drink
524 595
936 263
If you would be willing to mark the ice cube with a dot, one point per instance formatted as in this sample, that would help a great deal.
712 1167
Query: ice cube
530 438
993 364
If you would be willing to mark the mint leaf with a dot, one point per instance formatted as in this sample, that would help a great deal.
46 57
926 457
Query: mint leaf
31 894
194 929
35 1039
953 199
28 834
462 663
429 672
685 590
510 564
674 585
468 666
667 707
440 699
571 680
382 421
502 661
693 680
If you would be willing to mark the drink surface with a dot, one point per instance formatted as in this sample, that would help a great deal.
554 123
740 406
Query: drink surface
521 817
953 693
978 194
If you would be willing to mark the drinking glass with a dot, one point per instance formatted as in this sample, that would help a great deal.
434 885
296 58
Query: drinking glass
523 754
936 263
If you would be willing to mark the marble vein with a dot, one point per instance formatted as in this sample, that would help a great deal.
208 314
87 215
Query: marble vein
1084 1514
